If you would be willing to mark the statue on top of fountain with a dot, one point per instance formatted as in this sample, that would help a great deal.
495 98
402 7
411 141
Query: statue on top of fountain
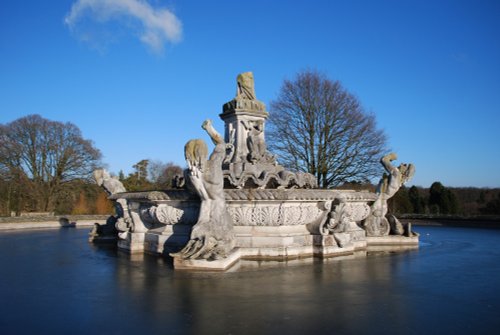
251 165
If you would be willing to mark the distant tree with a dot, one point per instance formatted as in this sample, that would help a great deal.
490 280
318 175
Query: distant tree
418 203
442 200
492 207
317 126
453 206
103 205
358 186
400 203
81 207
482 197
138 180
162 174
39 157
435 197
141 169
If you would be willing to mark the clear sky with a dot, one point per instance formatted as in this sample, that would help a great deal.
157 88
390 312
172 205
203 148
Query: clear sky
139 77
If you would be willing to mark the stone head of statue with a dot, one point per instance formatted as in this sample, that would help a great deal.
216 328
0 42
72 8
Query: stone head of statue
100 175
407 172
196 153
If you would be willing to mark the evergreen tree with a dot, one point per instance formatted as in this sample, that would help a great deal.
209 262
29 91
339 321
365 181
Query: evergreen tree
416 200
400 203
442 200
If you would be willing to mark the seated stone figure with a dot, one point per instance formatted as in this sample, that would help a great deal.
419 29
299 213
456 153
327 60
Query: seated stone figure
256 145
377 224
212 236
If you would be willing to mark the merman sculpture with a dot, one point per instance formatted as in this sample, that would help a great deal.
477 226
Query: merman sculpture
377 224
212 236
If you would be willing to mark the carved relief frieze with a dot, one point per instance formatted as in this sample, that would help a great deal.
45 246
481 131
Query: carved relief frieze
274 214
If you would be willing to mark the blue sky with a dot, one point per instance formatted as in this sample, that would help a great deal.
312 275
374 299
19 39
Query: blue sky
139 77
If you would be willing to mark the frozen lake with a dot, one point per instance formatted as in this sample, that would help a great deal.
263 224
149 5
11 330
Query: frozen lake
55 282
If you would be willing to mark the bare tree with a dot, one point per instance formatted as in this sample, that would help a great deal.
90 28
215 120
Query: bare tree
46 154
317 126
162 174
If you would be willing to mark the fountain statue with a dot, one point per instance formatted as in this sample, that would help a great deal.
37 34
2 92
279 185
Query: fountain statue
212 234
239 203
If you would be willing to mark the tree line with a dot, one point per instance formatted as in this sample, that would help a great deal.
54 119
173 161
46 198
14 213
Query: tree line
441 200
46 166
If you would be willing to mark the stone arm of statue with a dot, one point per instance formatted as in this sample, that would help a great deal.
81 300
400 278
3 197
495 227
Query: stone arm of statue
214 135
196 178
386 161
220 145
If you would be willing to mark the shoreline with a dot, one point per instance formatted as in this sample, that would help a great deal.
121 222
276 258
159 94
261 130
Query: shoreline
51 222
454 222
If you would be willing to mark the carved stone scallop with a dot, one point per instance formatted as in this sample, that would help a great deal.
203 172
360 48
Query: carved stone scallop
170 215
357 211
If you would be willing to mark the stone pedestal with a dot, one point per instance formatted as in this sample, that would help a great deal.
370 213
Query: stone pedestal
251 165
239 115
358 235
391 240
131 242
167 239
327 246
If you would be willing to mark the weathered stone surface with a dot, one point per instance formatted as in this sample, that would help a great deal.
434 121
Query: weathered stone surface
391 240
343 239
131 242
396 226
204 265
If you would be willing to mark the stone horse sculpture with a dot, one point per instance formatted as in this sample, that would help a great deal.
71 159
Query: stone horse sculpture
212 236
377 224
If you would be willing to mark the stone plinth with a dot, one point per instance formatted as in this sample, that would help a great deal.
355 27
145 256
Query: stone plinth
391 240
328 246
239 115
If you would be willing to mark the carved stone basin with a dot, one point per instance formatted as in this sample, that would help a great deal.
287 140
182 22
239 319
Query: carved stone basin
276 223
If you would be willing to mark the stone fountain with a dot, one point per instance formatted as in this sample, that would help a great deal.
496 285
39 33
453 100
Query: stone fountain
239 203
